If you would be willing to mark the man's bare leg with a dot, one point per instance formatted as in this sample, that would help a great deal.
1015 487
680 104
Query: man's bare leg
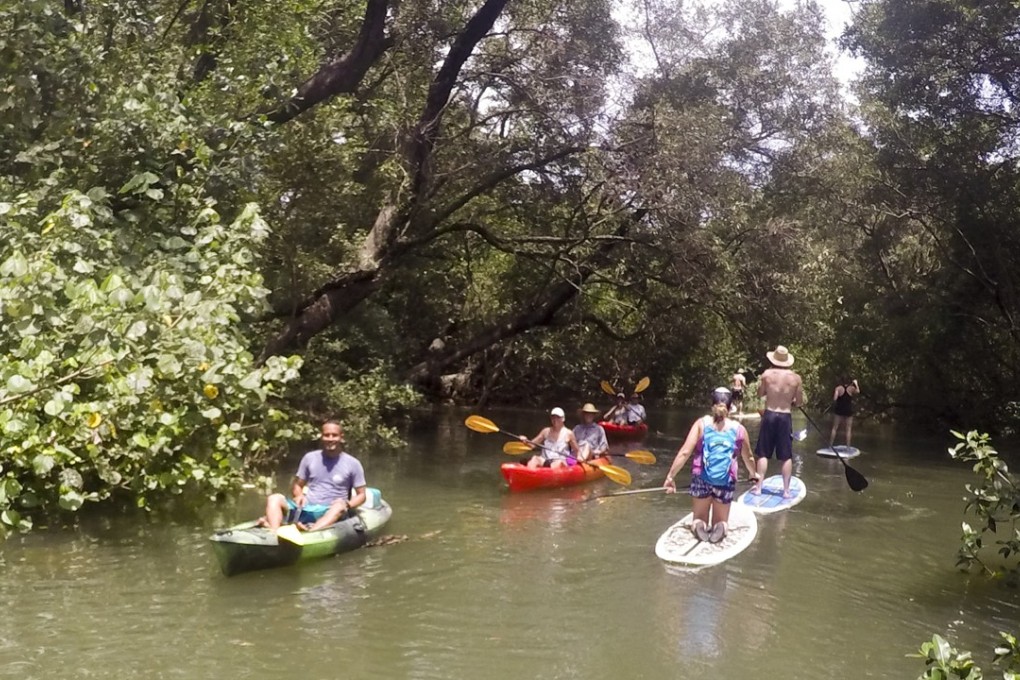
787 474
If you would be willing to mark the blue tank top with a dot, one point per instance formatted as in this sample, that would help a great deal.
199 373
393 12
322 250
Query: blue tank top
716 462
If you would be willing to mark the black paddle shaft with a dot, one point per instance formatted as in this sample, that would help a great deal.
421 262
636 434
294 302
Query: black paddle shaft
855 479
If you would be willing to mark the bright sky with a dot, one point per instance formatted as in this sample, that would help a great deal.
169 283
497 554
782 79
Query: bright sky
840 13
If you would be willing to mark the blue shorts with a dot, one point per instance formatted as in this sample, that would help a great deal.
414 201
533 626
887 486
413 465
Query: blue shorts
702 489
775 436
309 514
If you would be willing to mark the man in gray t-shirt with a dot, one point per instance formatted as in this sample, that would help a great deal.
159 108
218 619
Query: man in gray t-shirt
328 484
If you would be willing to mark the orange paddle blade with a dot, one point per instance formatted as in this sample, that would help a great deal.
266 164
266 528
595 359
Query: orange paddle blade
480 424
641 457
642 384
517 448
607 388
617 474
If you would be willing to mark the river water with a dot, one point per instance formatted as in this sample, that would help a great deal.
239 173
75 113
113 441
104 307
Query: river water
534 585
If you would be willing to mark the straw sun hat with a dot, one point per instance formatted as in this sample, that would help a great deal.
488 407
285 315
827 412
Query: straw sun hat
780 357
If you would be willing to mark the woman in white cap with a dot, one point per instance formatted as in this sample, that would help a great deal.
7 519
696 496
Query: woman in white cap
590 436
559 447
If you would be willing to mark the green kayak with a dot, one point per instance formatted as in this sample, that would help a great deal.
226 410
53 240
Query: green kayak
247 546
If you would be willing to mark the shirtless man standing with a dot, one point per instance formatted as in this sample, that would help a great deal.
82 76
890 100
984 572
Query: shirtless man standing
781 388
738 383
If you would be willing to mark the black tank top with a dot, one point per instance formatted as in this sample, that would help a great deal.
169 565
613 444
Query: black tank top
844 404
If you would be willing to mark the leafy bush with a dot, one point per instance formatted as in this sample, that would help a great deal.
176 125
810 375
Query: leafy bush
122 367
996 502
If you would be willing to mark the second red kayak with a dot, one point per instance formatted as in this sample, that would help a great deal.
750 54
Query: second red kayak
624 432
522 478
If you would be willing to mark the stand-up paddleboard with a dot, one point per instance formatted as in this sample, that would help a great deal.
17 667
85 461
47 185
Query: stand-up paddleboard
746 416
843 450
771 497
679 544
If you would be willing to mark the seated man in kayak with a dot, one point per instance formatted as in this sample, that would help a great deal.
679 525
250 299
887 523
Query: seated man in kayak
635 411
590 436
716 442
617 415
557 442
322 488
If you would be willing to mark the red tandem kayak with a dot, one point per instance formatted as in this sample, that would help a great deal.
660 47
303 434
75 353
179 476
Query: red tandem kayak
522 478
622 432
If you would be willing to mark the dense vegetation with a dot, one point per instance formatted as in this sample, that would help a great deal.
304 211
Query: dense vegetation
217 215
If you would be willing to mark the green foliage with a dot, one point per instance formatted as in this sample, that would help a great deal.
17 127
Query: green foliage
122 367
996 502
941 216
944 662
129 268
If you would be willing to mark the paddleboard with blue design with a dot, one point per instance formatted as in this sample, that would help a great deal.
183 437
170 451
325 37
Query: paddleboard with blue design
844 451
771 497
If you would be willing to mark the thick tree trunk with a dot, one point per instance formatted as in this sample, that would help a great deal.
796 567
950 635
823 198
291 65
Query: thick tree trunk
344 74
382 246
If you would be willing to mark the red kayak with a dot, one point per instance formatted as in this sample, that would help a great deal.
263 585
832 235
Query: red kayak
522 478
624 432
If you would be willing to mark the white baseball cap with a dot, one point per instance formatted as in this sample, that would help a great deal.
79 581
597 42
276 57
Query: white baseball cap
558 412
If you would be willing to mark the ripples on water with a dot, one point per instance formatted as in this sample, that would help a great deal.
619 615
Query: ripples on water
494 585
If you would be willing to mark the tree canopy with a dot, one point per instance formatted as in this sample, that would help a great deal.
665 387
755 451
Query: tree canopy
220 217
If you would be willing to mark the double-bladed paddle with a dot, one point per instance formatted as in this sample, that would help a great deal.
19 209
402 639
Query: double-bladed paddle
854 478
641 457
641 386
486 426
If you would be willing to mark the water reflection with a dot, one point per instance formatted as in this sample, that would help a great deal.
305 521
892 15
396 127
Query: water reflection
534 585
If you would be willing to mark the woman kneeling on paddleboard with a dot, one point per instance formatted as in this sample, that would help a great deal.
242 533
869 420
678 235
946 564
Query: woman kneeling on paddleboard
715 441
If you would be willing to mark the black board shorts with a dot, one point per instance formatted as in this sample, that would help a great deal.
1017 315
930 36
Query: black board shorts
775 436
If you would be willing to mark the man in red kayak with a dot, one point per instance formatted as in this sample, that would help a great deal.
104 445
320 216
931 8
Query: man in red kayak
590 436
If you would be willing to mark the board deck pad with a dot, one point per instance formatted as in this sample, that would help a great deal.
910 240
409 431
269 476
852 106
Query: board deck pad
843 450
771 497
678 543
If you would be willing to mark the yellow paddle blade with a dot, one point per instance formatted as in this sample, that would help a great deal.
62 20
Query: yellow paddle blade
291 534
480 424
607 388
517 448
617 474
642 384
641 457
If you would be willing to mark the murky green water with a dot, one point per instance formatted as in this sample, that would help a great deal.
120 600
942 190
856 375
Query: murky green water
540 585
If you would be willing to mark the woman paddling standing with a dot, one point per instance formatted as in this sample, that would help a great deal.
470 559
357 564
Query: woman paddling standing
557 444
715 441
843 409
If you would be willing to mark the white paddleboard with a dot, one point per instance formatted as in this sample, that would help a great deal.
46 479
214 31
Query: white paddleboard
679 544
843 450
771 497
745 416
